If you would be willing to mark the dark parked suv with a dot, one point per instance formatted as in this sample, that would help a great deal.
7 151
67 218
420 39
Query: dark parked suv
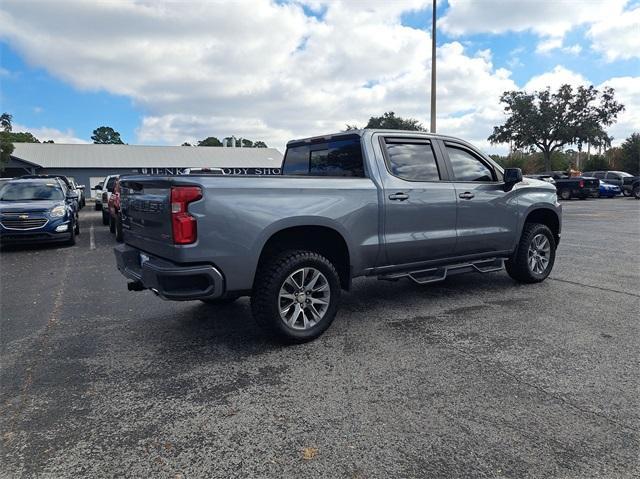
34 210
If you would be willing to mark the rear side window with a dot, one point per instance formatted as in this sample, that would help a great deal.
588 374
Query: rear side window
467 167
333 158
412 160
599 175
613 176
110 184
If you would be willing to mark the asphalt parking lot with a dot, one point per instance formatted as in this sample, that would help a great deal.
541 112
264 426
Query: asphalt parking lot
474 377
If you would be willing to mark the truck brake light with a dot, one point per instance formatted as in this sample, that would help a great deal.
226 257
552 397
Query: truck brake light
581 184
184 225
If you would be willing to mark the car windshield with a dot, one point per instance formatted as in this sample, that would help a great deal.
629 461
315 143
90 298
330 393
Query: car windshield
32 191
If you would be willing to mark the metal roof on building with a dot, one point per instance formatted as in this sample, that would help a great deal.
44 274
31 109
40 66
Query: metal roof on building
52 155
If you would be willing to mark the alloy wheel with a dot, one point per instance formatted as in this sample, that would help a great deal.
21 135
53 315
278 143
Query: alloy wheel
304 298
539 254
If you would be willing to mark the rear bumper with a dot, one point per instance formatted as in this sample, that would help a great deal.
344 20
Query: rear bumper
169 280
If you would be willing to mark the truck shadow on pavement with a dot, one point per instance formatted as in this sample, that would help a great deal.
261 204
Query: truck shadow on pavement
370 302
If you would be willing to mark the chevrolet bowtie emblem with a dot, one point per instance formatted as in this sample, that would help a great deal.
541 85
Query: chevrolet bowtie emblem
23 217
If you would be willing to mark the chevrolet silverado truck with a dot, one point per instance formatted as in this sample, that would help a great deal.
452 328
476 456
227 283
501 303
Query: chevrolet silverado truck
387 204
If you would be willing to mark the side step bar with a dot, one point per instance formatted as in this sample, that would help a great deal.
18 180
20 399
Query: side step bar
432 275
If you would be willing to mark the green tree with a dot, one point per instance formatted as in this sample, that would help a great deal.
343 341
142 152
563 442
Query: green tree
6 146
389 121
210 141
630 158
260 144
548 121
22 137
105 135
186 143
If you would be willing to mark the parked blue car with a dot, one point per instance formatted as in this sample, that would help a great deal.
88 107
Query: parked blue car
37 210
607 190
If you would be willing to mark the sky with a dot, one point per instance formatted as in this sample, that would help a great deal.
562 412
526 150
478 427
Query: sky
162 73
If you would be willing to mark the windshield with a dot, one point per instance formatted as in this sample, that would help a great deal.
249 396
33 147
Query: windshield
31 192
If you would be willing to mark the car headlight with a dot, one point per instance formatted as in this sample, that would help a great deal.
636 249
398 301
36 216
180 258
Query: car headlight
58 211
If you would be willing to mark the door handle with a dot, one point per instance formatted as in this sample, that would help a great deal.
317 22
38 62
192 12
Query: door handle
466 195
399 196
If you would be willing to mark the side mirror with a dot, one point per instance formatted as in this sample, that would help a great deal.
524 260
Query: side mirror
511 177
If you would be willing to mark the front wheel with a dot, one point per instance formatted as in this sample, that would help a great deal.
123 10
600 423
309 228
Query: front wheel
296 295
636 192
105 217
535 255
72 236
119 237
626 192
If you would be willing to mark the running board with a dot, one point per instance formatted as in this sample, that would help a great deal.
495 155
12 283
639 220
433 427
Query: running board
440 273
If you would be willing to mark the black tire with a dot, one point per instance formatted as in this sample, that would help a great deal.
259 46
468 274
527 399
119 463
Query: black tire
636 192
518 265
72 238
270 277
626 192
220 301
565 194
105 217
76 230
112 224
97 206
119 237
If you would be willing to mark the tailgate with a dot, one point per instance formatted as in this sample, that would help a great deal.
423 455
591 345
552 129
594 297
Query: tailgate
146 212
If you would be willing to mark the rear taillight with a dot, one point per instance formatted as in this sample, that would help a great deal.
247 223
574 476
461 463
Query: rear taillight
581 184
185 226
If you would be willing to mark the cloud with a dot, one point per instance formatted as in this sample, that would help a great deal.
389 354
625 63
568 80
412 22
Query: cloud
550 20
272 75
554 79
45 133
617 35
202 69
627 93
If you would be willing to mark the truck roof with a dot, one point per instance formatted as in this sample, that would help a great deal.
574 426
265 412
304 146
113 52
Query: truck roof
352 133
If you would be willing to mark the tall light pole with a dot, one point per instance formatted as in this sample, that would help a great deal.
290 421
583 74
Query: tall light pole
433 70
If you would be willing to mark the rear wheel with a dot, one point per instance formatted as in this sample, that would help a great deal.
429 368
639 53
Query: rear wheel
112 223
636 192
565 194
626 192
296 295
536 253
105 217
97 206
76 230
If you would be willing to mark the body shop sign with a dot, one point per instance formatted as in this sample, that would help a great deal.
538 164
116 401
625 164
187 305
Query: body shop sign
211 171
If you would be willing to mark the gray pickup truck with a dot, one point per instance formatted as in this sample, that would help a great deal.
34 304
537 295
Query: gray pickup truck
388 204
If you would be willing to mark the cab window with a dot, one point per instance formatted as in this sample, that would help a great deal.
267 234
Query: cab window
467 167
337 158
411 160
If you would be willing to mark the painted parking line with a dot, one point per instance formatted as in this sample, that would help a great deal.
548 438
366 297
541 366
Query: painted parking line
92 238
